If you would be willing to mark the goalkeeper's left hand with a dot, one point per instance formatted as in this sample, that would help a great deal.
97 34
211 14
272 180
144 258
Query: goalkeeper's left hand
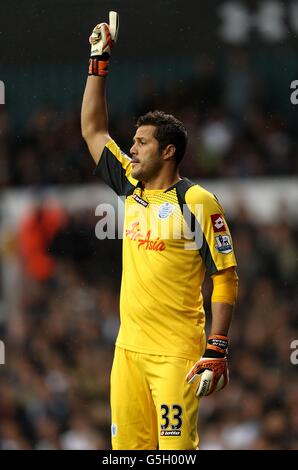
102 40
212 368
104 36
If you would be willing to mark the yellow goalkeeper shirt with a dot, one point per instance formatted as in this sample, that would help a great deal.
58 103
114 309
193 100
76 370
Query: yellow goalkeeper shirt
171 238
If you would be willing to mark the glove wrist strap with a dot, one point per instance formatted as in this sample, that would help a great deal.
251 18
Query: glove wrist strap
98 67
217 346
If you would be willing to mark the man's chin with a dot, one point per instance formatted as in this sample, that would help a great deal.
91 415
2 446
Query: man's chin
136 175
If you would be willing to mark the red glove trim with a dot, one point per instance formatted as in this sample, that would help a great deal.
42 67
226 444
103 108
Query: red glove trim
97 67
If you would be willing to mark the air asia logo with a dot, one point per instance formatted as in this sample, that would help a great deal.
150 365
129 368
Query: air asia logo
218 223
135 234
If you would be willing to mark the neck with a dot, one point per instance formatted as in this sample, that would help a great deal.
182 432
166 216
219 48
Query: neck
163 181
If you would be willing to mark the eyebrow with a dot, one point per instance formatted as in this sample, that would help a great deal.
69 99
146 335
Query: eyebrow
138 138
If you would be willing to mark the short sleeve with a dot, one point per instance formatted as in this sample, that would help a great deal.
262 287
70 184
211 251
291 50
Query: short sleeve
114 167
216 247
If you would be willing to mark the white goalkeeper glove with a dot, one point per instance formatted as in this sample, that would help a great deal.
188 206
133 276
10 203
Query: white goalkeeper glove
102 39
212 368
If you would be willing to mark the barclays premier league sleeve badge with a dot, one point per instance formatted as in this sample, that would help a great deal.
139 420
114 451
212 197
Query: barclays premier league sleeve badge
223 244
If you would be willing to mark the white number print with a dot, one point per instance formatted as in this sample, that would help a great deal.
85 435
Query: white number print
294 354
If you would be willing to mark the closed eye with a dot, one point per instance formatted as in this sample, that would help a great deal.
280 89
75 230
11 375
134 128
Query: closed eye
139 141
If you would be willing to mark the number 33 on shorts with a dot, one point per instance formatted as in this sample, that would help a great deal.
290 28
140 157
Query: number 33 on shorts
177 423
171 420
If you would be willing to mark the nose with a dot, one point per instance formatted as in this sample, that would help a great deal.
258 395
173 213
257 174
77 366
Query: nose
133 150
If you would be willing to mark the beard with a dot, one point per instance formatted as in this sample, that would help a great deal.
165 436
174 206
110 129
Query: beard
137 172
146 173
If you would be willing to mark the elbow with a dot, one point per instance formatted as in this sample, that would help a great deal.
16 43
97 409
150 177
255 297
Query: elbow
225 286
89 132
87 127
86 132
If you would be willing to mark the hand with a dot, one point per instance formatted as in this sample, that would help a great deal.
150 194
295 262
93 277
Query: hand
214 375
104 36
212 368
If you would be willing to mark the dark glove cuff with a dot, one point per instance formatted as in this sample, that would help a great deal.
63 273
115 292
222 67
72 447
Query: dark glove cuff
105 56
214 354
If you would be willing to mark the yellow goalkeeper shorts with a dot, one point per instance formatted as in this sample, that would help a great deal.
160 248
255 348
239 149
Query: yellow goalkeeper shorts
152 405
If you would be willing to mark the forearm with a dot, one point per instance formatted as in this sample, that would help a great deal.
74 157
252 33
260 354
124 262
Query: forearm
94 116
224 295
212 367
221 318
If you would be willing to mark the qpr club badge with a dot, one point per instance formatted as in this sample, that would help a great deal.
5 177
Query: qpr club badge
165 210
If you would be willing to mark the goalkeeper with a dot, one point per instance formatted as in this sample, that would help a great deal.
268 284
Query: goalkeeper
163 365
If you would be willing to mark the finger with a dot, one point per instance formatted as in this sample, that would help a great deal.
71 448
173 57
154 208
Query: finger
96 30
114 24
193 375
191 378
223 381
211 382
104 31
197 369
206 384
106 36
95 36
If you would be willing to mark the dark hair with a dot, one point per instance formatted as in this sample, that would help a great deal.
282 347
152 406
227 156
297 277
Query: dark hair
169 130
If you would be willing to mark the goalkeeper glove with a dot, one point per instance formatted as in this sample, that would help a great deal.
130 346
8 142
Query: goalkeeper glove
212 368
102 40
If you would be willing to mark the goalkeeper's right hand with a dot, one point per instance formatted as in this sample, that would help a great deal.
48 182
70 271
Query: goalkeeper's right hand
212 368
102 40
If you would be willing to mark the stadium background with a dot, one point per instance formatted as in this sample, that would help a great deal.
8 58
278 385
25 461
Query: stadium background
224 68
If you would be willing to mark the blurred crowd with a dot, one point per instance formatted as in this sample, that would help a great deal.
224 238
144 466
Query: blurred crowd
234 130
64 313
59 335
54 391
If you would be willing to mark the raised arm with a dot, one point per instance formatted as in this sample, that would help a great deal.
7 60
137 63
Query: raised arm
94 115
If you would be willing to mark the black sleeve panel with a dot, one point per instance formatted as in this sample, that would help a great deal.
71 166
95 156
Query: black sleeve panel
111 170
